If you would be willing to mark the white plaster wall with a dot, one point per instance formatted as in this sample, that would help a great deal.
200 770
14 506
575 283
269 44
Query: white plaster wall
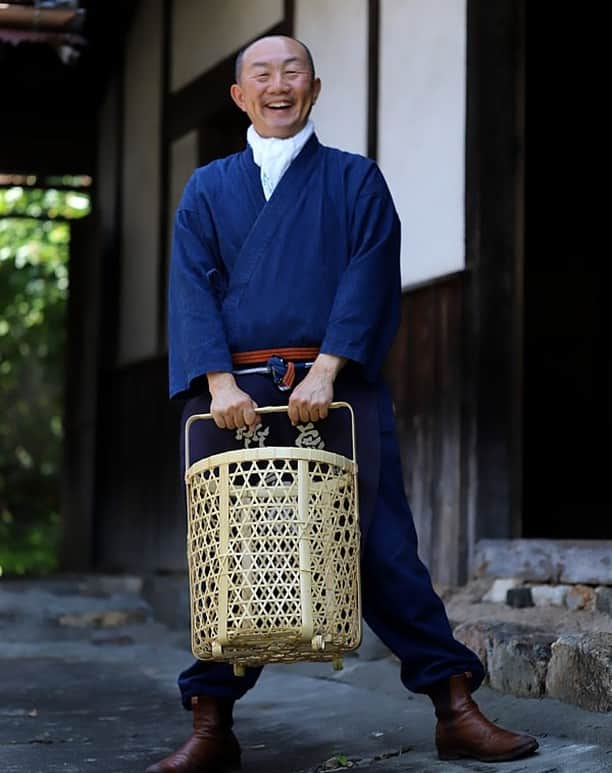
183 160
337 34
422 130
205 32
140 232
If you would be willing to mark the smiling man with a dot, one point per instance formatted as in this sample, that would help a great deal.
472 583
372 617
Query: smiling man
286 258
275 109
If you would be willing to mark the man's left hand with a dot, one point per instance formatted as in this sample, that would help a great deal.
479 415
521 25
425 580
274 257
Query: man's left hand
311 398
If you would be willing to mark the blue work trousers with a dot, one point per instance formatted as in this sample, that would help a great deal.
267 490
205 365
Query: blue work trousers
399 602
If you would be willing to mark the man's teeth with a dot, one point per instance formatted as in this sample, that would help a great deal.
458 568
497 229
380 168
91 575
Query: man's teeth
279 104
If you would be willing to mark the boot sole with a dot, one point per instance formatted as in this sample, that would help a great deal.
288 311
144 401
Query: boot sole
462 755
233 767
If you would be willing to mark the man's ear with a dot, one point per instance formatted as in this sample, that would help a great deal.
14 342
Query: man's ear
237 96
316 89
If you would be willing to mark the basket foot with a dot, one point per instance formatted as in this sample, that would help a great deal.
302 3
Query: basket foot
338 664
239 669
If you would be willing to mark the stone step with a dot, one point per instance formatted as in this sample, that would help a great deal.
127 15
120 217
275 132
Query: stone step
585 562
527 662
518 593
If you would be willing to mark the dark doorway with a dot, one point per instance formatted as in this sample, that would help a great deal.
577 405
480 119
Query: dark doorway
566 362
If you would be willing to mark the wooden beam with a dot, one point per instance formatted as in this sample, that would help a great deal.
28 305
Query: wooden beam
493 299
289 20
164 174
373 76
81 397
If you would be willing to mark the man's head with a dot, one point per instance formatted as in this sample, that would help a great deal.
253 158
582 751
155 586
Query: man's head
276 85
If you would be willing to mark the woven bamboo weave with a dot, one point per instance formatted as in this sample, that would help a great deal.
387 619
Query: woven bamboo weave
273 552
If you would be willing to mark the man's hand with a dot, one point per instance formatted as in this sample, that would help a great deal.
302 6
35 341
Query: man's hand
230 406
310 400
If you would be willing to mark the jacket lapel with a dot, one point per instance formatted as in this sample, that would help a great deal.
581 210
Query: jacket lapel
284 203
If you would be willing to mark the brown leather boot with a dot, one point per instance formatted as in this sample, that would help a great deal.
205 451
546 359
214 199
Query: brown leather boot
212 748
463 731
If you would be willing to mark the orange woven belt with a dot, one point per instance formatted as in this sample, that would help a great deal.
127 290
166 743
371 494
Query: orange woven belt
263 355
279 363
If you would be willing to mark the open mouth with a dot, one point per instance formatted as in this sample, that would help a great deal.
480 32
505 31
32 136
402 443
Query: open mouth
279 106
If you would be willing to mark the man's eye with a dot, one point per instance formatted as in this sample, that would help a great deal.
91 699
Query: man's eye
262 76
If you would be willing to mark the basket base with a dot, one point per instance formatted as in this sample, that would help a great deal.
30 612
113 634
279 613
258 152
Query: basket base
257 651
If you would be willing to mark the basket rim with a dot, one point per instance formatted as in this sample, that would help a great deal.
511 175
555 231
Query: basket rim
272 452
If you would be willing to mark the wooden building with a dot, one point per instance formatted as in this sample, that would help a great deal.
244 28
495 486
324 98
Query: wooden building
498 372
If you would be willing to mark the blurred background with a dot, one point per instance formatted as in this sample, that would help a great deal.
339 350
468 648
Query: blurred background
477 113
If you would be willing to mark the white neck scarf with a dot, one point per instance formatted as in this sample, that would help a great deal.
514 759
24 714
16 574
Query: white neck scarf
274 155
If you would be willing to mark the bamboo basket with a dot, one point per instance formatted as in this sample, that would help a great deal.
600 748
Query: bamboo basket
273 551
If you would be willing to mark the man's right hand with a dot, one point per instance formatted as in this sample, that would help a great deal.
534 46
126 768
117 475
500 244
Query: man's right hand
230 406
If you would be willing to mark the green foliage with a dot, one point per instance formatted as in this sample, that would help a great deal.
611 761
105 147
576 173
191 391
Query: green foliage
32 549
33 294
38 203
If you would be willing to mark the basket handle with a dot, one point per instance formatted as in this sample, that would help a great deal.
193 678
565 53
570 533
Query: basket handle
268 409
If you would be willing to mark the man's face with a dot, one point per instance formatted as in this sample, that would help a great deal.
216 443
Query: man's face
276 88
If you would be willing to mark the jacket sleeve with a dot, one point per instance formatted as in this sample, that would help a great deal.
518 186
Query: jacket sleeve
366 310
196 336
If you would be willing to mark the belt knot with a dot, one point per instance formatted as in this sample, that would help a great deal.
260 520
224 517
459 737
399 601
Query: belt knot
279 363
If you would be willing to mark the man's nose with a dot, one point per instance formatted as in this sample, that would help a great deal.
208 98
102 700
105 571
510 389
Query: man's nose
277 82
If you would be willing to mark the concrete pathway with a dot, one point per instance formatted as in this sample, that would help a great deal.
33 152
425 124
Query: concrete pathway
87 684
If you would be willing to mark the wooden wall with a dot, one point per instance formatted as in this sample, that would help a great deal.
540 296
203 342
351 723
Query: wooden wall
425 374
456 367
140 514
81 394
451 369
139 520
